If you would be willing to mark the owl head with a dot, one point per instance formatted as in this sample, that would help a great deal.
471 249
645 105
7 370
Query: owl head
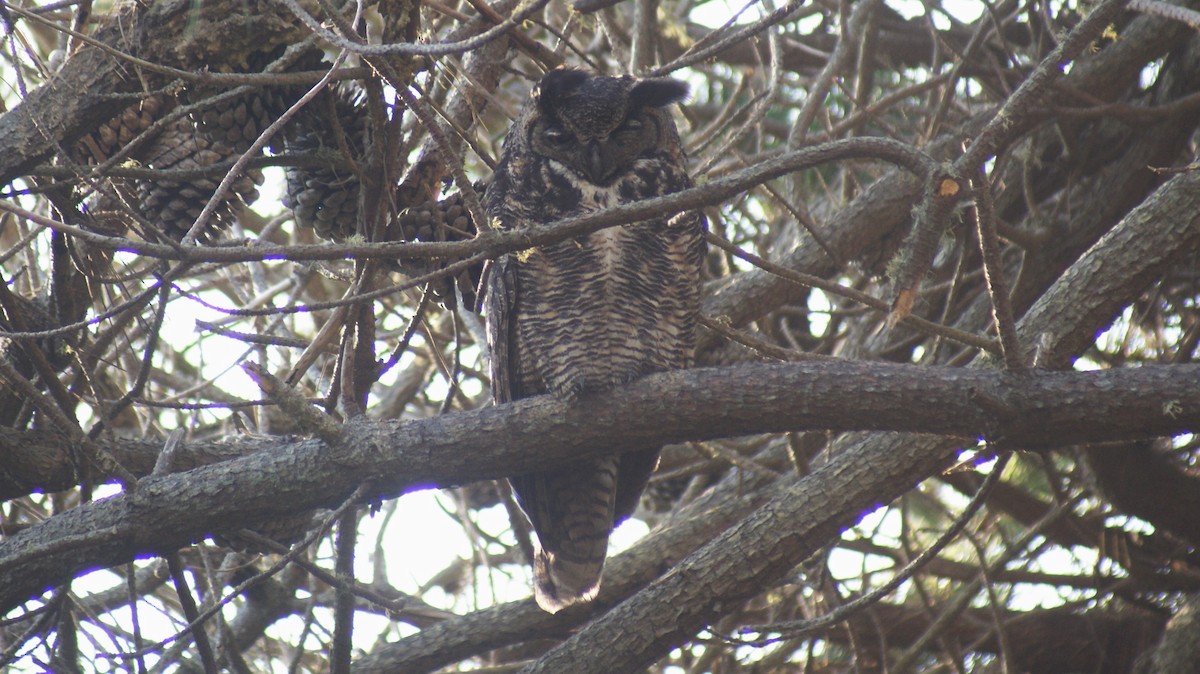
599 126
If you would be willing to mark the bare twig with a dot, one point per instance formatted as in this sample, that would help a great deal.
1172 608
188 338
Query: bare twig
993 271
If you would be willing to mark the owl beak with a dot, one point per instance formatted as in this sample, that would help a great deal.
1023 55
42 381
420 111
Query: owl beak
597 164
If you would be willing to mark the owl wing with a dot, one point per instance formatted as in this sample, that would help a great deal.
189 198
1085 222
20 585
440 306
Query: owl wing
499 308
500 295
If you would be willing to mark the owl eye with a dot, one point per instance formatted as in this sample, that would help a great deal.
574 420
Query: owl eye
556 136
631 126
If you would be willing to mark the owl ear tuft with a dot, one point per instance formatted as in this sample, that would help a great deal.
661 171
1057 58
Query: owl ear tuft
657 93
556 84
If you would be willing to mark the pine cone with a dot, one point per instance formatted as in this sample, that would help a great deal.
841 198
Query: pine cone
237 122
174 205
326 198
445 220
109 208
96 147
401 20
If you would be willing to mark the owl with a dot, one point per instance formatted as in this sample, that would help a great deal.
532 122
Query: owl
590 314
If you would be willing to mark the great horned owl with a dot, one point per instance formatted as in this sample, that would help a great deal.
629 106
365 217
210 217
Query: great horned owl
593 313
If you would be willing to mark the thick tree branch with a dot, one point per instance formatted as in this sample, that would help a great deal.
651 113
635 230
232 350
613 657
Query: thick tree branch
1147 483
1036 409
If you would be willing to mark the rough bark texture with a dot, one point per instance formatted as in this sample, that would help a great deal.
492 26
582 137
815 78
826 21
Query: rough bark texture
167 512
854 372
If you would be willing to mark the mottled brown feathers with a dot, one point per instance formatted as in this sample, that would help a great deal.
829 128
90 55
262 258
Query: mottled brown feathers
593 313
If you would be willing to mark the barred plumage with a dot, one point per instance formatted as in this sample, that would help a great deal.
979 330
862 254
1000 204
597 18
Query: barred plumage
590 314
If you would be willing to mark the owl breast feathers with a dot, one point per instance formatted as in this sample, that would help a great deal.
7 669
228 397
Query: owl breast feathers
589 314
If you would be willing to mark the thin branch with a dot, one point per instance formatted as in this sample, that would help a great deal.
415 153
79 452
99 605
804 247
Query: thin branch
413 49
184 593
810 281
343 631
993 272
793 629
702 50
495 243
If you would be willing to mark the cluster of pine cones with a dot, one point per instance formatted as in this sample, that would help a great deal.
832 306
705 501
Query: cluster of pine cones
185 144
322 191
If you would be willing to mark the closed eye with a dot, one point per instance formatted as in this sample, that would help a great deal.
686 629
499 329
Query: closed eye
631 126
556 136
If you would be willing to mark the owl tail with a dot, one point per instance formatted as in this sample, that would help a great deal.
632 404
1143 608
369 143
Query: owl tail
559 582
571 510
